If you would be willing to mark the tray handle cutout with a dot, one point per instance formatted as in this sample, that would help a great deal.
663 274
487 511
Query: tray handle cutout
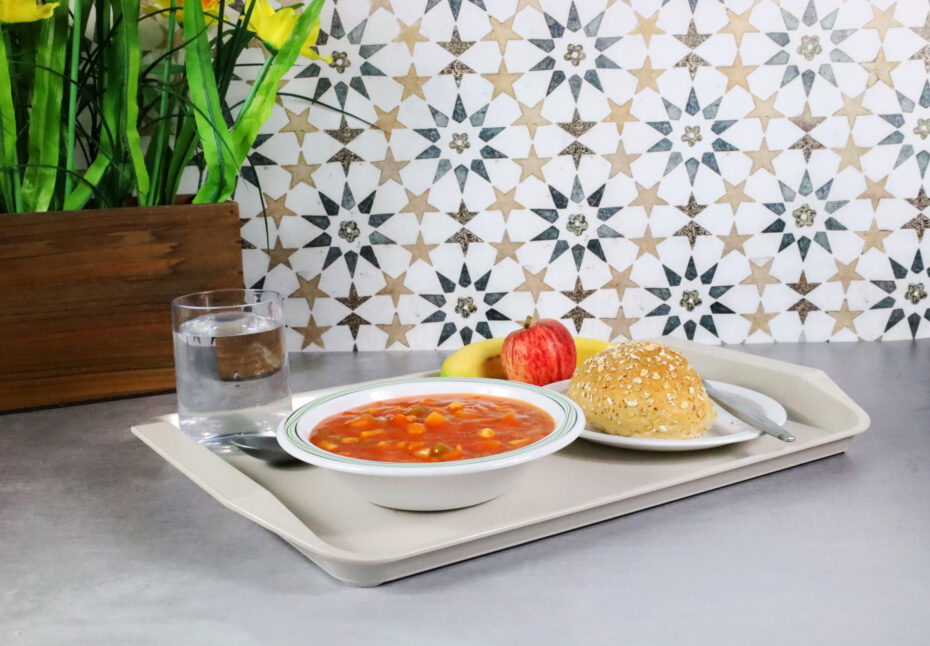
232 488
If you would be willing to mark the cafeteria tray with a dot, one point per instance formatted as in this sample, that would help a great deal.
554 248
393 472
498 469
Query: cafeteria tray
362 544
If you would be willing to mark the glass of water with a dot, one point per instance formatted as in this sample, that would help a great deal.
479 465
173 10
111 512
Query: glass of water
231 364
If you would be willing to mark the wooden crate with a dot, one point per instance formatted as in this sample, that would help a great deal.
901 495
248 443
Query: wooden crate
85 296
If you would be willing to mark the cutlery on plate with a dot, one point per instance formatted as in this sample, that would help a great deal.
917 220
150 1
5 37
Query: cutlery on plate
742 412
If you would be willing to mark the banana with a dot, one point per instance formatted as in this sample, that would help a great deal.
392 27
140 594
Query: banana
483 358
587 348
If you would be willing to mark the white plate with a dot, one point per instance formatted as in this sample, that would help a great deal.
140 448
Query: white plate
726 429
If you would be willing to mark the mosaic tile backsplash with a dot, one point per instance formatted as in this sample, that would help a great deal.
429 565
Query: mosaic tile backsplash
727 172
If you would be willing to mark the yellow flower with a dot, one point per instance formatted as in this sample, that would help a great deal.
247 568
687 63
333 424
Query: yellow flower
273 27
25 10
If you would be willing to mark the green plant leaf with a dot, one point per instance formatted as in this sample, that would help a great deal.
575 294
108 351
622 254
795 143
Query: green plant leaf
156 154
41 175
215 138
238 41
261 98
78 197
73 88
9 178
107 93
109 173
185 144
128 42
185 141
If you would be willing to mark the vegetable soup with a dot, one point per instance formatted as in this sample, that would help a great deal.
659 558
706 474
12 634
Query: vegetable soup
436 428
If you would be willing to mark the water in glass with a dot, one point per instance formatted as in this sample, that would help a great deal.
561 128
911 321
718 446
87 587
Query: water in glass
231 376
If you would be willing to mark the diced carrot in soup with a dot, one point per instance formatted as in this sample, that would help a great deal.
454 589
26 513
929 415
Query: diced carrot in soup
488 446
365 421
435 418
444 427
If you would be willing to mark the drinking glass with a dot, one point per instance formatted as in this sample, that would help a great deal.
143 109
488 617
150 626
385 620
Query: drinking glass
231 364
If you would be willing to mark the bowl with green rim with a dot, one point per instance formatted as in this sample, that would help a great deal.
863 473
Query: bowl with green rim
430 486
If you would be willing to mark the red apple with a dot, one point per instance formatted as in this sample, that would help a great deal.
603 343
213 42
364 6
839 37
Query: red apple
539 354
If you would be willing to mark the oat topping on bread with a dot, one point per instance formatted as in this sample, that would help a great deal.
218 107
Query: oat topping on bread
642 389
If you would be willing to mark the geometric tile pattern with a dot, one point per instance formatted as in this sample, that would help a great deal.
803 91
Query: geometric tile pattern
748 171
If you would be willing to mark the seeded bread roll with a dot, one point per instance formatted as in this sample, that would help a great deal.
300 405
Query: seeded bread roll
642 389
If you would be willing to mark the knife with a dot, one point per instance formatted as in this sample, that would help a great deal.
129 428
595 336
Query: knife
739 410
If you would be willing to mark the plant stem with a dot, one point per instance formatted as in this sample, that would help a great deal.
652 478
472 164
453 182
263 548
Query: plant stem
72 96
219 39
160 141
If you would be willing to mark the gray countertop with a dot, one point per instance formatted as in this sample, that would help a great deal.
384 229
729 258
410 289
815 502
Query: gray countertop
101 541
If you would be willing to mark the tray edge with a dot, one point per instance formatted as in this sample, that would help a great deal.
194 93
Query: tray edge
377 574
254 501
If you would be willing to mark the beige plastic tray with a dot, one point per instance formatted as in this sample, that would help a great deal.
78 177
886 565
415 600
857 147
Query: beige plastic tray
363 544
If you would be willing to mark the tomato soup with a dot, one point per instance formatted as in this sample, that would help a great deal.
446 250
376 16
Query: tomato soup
436 428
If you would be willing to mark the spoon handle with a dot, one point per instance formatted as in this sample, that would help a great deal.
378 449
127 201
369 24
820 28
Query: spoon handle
751 417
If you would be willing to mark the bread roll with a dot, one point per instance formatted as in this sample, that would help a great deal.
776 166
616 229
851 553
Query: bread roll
642 389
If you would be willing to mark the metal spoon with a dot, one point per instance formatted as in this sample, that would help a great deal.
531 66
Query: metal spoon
751 417
263 447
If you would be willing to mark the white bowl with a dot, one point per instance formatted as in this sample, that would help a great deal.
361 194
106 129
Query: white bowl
435 485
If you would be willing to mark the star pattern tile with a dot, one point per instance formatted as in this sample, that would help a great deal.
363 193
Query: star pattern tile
357 54
464 306
810 46
907 299
911 134
805 216
690 300
576 50
728 175
573 224
691 136
459 143
354 224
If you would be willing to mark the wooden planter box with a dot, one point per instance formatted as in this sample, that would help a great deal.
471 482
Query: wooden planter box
85 296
